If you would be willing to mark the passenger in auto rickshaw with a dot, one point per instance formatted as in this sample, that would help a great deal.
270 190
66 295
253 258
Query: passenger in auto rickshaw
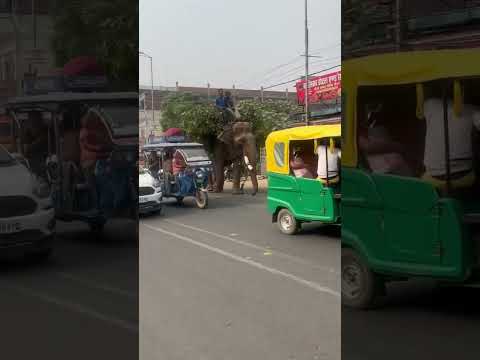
300 164
463 124
329 155
381 152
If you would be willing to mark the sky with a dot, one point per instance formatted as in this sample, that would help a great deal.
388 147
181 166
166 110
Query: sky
249 43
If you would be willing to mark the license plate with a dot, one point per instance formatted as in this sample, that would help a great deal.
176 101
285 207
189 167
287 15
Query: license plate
142 201
9 228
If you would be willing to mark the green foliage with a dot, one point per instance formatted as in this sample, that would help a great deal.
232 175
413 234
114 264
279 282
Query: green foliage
201 120
104 29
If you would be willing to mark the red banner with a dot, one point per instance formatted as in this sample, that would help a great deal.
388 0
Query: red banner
324 87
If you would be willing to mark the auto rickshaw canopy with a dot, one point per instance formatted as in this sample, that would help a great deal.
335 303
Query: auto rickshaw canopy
401 68
277 143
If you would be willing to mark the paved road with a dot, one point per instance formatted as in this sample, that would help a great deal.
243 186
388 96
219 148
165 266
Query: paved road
417 321
83 304
223 283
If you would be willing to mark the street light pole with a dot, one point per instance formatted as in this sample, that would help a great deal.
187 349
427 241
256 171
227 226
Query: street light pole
151 91
306 64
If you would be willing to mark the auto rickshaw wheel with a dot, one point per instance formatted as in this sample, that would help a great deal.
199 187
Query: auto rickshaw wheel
201 198
287 223
96 228
361 288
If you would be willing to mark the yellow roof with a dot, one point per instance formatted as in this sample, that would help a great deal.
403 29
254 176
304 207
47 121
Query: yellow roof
278 157
305 133
411 67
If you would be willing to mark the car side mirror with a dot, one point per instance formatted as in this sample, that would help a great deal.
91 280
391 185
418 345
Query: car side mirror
21 159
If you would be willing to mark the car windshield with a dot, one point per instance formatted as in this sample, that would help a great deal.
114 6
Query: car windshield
123 119
5 157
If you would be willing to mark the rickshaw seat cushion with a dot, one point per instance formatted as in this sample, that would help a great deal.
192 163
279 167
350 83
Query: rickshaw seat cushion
334 180
464 182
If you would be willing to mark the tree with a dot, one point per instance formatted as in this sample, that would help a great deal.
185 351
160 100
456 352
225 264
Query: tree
104 29
201 122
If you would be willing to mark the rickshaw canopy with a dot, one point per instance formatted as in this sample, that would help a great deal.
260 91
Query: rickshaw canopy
397 69
277 143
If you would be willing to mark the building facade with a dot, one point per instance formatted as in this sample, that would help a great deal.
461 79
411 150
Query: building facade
380 26
26 29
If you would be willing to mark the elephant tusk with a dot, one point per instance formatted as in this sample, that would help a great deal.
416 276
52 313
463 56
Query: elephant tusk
250 167
246 160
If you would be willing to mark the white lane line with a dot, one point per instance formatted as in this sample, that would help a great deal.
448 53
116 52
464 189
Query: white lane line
98 286
78 308
313 285
253 246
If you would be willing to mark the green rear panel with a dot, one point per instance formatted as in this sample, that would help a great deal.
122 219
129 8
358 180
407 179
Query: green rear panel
307 199
402 227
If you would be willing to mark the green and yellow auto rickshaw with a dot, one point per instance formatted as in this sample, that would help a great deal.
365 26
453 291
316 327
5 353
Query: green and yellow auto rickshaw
412 209
303 175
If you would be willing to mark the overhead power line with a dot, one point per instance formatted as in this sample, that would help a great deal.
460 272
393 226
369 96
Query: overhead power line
293 71
300 78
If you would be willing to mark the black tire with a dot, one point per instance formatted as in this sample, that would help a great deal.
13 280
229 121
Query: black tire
96 228
201 198
179 200
287 223
40 256
361 288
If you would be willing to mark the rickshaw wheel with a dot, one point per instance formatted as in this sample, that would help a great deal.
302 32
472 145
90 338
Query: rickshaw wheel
287 223
361 288
201 198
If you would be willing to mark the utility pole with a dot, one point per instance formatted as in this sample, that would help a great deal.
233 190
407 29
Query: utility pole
151 90
306 65
208 91
397 24
286 93
261 94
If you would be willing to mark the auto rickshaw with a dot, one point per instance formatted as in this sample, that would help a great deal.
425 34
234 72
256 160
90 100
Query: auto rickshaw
400 219
293 200
58 116
192 180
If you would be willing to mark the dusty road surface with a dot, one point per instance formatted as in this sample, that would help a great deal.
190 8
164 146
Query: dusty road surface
223 283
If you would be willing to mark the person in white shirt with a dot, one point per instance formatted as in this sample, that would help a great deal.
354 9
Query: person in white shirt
330 157
460 128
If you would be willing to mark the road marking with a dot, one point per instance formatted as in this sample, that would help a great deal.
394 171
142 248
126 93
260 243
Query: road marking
95 285
313 285
78 308
253 246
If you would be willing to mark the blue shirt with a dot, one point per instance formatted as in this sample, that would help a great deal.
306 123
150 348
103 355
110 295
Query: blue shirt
220 102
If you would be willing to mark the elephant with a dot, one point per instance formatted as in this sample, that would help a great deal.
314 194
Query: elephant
237 146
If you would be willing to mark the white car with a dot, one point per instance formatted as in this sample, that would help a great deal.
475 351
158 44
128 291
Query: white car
27 215
149 193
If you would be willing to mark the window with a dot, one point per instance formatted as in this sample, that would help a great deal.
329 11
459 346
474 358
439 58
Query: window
279 154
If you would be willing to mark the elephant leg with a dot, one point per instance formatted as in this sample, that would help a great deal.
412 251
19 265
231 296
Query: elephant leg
219 176
236 173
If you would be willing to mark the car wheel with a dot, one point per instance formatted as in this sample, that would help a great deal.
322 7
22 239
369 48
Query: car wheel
361 287
287 223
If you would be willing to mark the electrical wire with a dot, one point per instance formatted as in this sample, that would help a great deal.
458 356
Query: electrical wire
300 78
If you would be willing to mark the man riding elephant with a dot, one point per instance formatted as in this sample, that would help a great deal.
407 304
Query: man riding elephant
236 145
